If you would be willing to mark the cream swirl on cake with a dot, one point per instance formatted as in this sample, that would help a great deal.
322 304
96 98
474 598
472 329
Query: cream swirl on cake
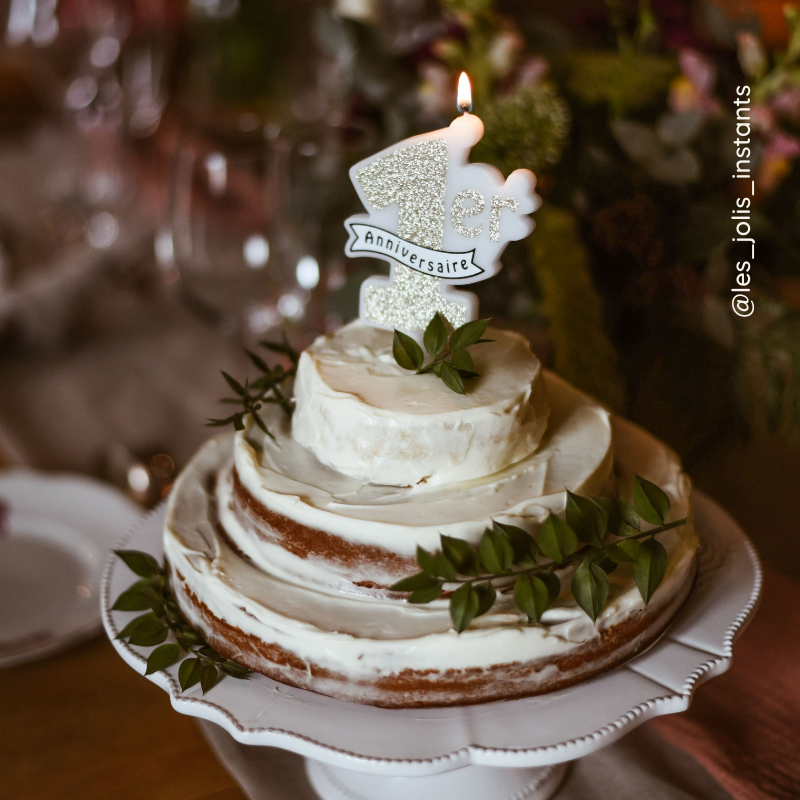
358 412
283 562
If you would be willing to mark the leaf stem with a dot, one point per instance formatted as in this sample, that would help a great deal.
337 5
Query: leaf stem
552 566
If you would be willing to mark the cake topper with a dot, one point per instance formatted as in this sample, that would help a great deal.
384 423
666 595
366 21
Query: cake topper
438 220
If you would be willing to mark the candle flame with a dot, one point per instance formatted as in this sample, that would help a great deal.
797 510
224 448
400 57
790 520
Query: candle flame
464 96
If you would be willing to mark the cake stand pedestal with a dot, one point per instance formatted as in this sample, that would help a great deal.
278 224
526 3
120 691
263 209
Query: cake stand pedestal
467 783
496 751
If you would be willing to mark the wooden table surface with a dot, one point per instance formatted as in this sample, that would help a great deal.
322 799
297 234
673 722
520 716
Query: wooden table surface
83 724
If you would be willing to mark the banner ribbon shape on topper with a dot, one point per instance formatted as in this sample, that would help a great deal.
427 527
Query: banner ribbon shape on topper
449 266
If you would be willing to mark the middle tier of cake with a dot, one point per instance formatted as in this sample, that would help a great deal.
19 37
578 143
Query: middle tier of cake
298 518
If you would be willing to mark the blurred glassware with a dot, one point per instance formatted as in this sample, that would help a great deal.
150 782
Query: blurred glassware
75 215
146 477
254 226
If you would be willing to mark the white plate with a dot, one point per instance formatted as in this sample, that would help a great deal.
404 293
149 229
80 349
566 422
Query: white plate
57 536
532 732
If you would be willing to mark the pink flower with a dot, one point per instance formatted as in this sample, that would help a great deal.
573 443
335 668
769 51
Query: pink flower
762 118
782 145
436 90
776 162
503 51
787 102
532 71
691 91
697 69
752 57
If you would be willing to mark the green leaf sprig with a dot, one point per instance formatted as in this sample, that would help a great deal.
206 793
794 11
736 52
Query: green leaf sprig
152 593
598 534
252 396
452 362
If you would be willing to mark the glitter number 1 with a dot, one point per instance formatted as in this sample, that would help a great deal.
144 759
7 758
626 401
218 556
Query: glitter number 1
414 177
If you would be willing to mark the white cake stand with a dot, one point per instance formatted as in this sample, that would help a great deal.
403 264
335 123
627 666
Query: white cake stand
496 751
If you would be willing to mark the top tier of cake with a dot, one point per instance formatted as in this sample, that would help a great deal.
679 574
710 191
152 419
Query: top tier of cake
363 415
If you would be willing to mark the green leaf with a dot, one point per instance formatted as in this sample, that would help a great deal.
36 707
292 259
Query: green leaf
143 594
209 675
611 508
556 539
606 564
148 633
283 347
651 565
464 605
443 567
413 582
220 423
435 337
626 82
173 612
462 361
407 353
162 657
629 522
450 378
131 626
235 670
187 636
189 672
211 653
152 593
468 334
495 550
533 596
234 384
487 594
422 596
553 584
131 600
425 560
652 504
626 551
524 598
238 421
522 543
271 379
461 554
590 587
261 424
437 564
588 519
257 360
143 564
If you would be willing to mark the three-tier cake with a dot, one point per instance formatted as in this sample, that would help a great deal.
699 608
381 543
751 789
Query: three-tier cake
282 551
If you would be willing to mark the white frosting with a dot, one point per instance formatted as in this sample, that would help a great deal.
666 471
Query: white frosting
364 416
366 636
575 453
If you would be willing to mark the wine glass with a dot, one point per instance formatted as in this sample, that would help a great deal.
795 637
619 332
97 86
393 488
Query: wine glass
255 225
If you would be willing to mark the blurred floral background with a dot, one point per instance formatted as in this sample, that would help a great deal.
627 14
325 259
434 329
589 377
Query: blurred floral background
174 182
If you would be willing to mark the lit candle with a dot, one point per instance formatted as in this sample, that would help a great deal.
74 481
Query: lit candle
438 220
